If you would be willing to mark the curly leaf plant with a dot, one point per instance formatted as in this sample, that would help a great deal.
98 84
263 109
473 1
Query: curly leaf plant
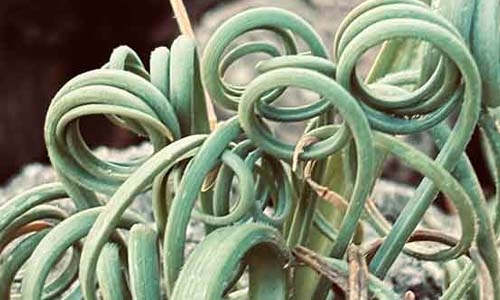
289 217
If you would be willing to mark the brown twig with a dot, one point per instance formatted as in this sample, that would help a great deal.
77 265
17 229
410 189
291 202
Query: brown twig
421 235
315 262
28 228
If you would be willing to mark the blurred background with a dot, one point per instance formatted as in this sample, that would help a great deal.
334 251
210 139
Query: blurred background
43 44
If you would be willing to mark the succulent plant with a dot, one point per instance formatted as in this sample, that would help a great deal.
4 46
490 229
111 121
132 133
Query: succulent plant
282 220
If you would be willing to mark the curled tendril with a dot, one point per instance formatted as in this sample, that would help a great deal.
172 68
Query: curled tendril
133 102
403 112
216 58
148 104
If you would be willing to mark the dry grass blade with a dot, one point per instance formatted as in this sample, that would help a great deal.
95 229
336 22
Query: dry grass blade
358 274
182 18
326 194
209 181
314 261
322 191
299 149
31 227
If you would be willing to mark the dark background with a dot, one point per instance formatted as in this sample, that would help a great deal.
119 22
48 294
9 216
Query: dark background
45 43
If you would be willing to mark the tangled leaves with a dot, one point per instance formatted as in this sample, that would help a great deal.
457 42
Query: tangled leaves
436 67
